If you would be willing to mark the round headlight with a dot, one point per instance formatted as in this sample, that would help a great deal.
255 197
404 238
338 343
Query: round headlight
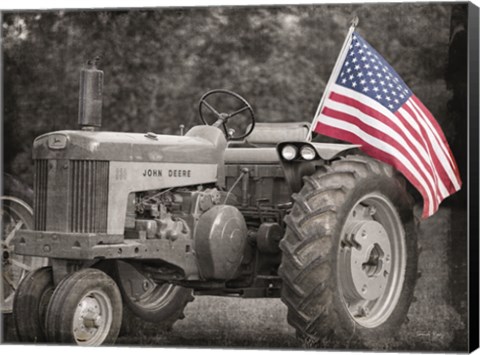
289 152
307 152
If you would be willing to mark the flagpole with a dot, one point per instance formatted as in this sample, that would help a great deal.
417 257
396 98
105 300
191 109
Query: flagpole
334 74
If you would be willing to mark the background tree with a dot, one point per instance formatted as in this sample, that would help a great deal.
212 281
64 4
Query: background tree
158 62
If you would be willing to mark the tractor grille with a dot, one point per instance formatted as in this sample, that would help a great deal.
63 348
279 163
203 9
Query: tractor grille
40 188
73 199
88 196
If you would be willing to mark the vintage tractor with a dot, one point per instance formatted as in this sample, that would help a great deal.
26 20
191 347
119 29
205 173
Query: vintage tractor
144 221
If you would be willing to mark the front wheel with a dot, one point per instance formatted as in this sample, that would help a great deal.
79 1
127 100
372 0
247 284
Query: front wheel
30 305
86 309
349 255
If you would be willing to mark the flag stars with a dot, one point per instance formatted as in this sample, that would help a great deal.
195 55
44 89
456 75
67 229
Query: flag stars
366 72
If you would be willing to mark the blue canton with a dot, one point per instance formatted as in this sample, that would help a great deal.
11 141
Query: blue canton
366 72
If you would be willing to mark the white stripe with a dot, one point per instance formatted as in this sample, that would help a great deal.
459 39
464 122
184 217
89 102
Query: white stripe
438 150
380 145
394 135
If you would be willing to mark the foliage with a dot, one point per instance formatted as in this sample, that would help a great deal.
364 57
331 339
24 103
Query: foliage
158 62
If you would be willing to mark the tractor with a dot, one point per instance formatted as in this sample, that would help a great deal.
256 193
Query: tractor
143 222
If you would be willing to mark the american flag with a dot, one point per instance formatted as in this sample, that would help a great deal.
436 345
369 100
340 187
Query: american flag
369 104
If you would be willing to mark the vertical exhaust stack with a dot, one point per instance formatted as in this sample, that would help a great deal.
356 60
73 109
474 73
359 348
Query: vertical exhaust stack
90 101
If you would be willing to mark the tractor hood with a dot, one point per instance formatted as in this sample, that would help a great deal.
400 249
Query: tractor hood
202 144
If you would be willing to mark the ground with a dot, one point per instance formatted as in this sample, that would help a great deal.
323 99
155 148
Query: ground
437 317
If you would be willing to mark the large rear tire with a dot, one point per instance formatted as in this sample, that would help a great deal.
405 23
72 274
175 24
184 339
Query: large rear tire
349 255
16 213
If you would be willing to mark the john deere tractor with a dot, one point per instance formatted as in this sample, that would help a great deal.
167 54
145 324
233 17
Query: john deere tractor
142 222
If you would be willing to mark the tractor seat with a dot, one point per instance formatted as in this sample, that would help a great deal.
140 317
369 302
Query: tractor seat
259 146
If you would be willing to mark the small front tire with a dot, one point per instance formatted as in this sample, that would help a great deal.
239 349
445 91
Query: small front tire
85 309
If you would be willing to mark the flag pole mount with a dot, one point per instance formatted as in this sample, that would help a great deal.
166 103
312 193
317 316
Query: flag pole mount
333 75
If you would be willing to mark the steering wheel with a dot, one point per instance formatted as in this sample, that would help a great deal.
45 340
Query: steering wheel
222 117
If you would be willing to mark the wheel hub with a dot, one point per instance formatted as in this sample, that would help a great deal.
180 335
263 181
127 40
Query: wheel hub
371 260
368 260
90 317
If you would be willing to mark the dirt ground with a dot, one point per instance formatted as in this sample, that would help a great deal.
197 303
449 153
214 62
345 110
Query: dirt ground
437 318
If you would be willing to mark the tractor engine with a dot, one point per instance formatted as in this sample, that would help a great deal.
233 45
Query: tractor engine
218 231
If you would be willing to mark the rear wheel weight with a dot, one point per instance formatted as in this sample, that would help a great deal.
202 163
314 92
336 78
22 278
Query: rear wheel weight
86 309
349 254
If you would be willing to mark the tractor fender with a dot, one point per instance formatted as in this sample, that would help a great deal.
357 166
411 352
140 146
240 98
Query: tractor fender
298 167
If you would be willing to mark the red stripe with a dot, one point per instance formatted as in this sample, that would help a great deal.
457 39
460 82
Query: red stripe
368 110
384 138
380 155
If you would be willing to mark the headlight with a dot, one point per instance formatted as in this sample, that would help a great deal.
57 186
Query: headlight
289 152
307 152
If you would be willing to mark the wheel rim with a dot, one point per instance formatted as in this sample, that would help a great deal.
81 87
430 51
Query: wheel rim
372 260
93 318
15 215
143 291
